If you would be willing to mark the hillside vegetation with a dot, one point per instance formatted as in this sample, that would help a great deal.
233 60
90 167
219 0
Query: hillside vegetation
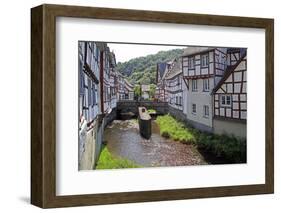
143 69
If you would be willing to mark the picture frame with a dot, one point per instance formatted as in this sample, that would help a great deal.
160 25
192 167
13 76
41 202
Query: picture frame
43 105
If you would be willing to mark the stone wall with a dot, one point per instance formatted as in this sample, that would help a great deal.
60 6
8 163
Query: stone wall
230 127
110 117
91 148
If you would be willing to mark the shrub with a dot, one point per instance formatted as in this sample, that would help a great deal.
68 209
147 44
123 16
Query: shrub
229 147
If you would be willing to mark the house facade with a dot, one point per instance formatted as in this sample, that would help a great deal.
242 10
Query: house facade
90 127
120 87
145 89
161 70
105 78
129 90
113 81
98 82
230 96
175 86
202 69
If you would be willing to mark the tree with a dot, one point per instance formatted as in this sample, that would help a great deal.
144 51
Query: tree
152 89
143 69
137 91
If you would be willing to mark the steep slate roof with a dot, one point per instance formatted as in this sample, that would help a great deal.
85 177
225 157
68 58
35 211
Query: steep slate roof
161 68
227 73
175 69
195 50
167 70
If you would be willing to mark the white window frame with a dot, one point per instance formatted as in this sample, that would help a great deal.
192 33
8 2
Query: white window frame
206 85
205 60
192 108
206 108
224 100
191 65
194 85
180 100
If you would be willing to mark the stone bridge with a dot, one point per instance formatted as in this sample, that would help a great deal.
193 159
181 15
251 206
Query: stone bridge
126 106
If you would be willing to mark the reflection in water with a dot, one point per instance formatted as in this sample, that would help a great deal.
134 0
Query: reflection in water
123 139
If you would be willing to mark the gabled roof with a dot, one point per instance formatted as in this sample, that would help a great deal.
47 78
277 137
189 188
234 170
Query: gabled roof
227 73
168 67
196 50
175 69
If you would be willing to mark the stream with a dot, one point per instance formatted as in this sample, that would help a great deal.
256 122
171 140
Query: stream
123 140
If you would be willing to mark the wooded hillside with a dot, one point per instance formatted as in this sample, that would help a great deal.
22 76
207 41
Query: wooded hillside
143 69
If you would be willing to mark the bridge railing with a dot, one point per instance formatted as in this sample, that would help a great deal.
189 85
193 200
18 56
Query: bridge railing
132 106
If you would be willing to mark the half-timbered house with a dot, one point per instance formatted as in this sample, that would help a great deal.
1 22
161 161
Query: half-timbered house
230 96
202 69
120 87
89 63
129 90
113 81
175 85
105 78
160 87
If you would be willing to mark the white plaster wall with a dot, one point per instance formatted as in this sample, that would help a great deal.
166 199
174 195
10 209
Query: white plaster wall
199 98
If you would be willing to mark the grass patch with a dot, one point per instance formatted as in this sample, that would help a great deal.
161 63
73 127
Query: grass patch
230 148
151 111
171 128
108 161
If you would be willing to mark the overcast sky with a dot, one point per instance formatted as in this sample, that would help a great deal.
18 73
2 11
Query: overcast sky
125 52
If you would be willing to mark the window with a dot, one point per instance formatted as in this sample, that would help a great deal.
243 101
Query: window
194 85
194 108
176 100
205 60
94 101
180 101
108 93
81 78
191 63
89 93
206 111
225 100
206 85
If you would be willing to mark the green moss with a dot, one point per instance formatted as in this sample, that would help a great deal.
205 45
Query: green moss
171 128
108 161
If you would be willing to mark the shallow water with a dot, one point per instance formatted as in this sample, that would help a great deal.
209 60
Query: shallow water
123 140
